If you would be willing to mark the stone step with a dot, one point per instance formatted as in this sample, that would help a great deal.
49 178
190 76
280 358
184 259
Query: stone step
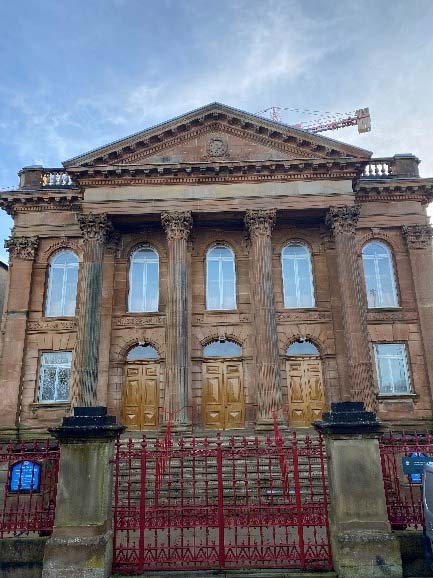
233 574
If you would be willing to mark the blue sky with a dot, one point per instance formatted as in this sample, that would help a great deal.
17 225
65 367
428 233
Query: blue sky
77 74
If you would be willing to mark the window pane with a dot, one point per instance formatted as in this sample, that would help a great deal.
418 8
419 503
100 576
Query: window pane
222 349
289 281
70 296
302 348
55 290
228 285
391 361
57 358
152 287
213 285
136 287
371 283
385 376
48 384
63 376
386 274
304 283
143 352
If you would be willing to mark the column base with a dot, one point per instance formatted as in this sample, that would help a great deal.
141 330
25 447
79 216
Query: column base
367 554
78 557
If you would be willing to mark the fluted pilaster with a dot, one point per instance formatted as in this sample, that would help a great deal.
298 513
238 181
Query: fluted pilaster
97 231
177 225
268 383
342 222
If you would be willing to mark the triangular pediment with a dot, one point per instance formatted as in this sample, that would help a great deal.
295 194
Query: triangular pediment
217 132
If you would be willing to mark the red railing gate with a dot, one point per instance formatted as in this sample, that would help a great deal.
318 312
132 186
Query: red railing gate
221 504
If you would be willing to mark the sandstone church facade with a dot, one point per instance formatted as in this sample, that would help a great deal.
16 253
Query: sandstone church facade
217 270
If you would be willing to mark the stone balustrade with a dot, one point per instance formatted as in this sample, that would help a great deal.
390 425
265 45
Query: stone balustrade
398 166
56 178
378 168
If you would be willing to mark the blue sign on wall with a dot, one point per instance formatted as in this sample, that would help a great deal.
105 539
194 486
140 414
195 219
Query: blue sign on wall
25 477
413 466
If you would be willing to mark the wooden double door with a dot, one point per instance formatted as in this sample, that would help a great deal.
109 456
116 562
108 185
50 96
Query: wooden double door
140 409
305 390
223 394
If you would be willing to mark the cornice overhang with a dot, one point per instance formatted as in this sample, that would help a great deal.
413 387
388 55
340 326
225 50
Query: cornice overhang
394 189
167 133
220 171
40 200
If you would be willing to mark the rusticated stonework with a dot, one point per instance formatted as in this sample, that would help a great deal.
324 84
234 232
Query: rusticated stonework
177 224
22 247
343 219
418 236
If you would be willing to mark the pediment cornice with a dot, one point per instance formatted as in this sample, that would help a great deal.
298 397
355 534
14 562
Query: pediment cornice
217 118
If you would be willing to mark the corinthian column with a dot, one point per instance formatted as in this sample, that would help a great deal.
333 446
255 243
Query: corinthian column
259 224
419 244
342 222
177 226
96 231
22 251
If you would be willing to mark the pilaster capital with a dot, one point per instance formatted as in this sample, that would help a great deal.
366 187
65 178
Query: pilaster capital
260 221
177 224
95 227
342 219
418 236
22 247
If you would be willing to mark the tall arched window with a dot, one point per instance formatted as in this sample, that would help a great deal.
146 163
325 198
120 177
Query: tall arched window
297 276
220 278
379 275
144 280
62 285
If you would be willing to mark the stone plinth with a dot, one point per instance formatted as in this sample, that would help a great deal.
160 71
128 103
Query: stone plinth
362 542
81 544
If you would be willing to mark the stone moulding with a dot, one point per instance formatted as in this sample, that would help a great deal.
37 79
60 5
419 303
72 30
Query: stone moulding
52 325
303 316
130 321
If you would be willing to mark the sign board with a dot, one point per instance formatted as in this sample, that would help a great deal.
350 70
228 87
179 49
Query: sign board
413 465
25 477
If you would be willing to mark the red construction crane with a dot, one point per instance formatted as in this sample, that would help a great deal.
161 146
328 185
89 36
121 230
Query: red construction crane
329 121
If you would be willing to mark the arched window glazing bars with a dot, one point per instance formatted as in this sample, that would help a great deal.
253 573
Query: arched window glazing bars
379 275
220 278
144 281
142 352
223 348
302 347
62 285
297 276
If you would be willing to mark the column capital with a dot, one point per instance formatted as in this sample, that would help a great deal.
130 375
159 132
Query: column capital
177 224
95 227
342 219
22 247
418 236
260 221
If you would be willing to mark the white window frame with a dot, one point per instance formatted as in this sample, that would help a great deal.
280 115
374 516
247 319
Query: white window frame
389 357
388 253
310 268
220 277
52 267
44 366
144 260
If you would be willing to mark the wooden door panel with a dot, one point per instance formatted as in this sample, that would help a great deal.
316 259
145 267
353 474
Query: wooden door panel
234 395
297 403
306 392
141 396
213 395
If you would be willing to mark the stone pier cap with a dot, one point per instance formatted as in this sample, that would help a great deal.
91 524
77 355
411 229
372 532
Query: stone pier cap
348 417
86 423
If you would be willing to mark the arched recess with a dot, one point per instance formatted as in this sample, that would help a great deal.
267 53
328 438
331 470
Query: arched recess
223 396
305 383
141 391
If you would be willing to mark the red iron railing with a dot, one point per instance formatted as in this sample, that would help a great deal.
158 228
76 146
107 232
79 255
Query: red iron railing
29 471
403 493
221 504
